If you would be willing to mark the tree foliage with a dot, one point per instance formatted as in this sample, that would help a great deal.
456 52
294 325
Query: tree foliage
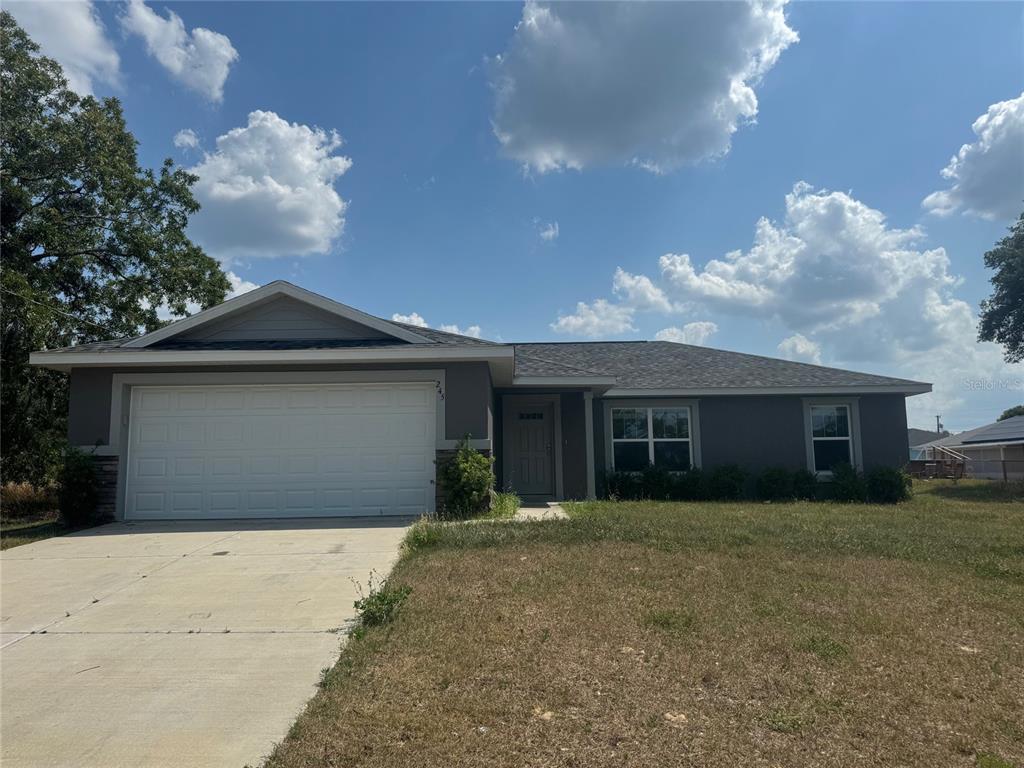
92 244
1009 413
1002 314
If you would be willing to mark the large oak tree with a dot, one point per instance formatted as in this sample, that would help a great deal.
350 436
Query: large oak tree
1002 314
92 244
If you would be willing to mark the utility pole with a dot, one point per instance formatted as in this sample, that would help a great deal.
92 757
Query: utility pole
938 425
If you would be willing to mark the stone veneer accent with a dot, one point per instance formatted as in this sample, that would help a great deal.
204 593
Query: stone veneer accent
106 485
443 456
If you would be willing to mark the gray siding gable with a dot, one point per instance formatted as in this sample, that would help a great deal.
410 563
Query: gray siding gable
281 318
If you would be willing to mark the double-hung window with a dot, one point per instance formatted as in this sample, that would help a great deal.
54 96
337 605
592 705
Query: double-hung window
645 436
831 436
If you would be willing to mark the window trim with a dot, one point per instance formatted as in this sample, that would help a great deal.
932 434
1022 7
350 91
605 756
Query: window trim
852 405
650 406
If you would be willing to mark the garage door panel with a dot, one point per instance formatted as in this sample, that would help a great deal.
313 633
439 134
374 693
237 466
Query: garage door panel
283 450
156 401
189 467
339 464
225 503
224 467
190 401
191 430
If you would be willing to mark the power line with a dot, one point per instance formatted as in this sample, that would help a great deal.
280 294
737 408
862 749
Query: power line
58 311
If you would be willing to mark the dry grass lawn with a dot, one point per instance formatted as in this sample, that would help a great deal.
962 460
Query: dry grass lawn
27 514
662 634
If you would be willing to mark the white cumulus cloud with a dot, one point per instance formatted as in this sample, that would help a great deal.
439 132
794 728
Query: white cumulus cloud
200 59
415 318
638 292
658 85
987 175
72 33
697 333
268 190
411 319
832 263
239 285
186 138
602 318
472 330
855 292
801 349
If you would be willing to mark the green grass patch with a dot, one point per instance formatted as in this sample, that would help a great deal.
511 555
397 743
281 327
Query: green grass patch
825 648
673 622
989 760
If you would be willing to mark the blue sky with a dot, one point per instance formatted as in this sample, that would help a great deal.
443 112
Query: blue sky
443 220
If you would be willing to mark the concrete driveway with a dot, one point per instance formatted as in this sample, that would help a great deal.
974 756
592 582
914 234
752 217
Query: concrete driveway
185 644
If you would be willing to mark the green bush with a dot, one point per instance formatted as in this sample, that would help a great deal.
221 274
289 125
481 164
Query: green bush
380 604
775 484
422 535
726 482
624 486
690 485
805 485
77 492
467 481
847 484
505 504
657 483
887 485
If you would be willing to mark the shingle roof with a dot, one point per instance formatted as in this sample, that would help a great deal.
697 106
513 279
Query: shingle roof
434 337
1007 430
646 365
667 365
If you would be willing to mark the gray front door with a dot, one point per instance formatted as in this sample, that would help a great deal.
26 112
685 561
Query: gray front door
533 437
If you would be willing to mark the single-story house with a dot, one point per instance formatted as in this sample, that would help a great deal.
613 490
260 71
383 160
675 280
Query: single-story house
281 402
994 451
916 437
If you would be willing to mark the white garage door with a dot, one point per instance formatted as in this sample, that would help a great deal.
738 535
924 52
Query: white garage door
280 451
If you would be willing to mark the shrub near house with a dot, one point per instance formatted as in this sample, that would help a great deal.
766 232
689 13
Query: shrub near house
467 481
881 485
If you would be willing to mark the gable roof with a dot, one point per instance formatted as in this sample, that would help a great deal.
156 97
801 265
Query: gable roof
1009 430
666 365
916 437
265 293
650 368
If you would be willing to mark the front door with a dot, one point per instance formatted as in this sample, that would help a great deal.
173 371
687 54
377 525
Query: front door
532 460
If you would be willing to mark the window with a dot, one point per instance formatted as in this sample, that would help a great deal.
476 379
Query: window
831 440
645 436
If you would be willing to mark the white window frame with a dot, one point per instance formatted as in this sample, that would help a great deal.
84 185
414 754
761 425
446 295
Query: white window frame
853 415
650 406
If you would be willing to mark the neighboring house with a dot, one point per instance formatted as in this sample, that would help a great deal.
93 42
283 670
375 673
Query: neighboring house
995 451
916 437
284 403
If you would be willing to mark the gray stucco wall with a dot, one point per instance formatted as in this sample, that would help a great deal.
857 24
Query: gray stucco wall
467 396
883 430
761 432
574 446
89 406
754 432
